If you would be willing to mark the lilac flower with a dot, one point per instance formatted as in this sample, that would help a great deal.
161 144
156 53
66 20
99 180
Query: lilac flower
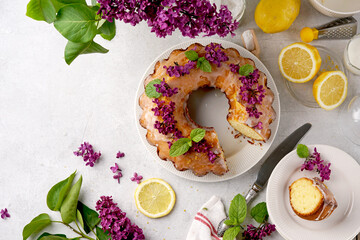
191 17
253 112
87 152
136 178
166 112
165 89
4 213
314 162
179 70
252 96
259 125
215 54
258 233
234 68
203 147
120 155
117 170
115 221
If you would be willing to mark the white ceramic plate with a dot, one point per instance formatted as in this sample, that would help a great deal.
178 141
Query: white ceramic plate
344 223
211 110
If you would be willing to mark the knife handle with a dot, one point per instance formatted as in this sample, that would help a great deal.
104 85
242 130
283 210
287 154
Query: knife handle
252 192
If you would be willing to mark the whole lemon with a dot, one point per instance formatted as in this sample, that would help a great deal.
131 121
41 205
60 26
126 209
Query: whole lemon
274 16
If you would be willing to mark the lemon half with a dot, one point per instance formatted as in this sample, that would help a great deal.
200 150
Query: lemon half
154 198
330 89
299 62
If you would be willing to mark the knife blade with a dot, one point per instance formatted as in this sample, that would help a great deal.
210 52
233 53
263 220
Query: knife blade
268 166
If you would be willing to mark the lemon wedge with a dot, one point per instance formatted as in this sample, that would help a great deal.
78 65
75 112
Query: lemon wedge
154 198
330 89
299 62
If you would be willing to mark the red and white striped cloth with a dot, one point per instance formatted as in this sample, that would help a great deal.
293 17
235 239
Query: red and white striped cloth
206 220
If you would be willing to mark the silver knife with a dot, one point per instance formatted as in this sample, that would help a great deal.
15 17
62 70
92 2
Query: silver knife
266 169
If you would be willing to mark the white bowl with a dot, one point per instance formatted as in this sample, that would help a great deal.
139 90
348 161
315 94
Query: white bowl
337 8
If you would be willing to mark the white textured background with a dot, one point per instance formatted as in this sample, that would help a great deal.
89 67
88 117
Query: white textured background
48 108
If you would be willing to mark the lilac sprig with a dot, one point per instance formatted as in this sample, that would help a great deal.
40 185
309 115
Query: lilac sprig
120 154
215 54
234 68
4 213
179 70
88 154
258 233
203 147
116 169
166 112
314 162
136 178
165 89
191 17
115 221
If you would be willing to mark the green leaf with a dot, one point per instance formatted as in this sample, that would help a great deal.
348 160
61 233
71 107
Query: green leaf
36 225
57 5
246 69
72 1
73 50
108 30
203 64
302 151
231 233
230 222
80 218
90 217
238 209
150 89
58 192
48 234
197 134
76 22
180 147
69 206
101 234
53 237
259 212
41 10
192 55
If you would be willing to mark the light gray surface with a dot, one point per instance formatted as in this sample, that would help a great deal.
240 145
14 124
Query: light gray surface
48 108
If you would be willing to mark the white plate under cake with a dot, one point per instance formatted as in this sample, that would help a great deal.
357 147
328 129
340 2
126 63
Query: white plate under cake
251 108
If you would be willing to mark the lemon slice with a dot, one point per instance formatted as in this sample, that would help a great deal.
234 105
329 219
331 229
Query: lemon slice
154 198
330 89
299 62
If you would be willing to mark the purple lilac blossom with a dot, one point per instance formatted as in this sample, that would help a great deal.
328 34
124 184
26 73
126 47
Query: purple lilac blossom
214 54
87 152
203 147
234 68
4 213
179 70
259 125
136 178
314 162
253 112
258 233
115 221
117 170
165 89
191 17
120 154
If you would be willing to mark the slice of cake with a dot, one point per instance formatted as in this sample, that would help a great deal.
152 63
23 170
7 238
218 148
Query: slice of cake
311 199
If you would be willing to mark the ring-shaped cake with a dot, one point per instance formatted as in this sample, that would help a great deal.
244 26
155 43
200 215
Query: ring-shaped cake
166 117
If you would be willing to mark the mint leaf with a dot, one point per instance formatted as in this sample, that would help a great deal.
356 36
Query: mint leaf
259 212
230 222
231 233
150 89
192 55
36 225
238 209
180 147
302 151
108 30
246 69
197 134
203 64
41 10
73 50
76 22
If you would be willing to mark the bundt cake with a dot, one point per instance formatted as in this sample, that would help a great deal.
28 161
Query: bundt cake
167 89
311 199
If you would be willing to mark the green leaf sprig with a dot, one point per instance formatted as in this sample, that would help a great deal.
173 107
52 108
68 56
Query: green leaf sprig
237 213
76 21
202 63
302 151
150 89
182 145
246 69
64 197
